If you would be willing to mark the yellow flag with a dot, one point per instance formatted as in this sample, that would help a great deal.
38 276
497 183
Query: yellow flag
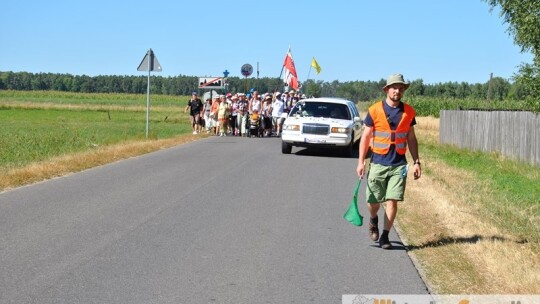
316 65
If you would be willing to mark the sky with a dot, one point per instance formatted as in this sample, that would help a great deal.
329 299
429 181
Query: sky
356 40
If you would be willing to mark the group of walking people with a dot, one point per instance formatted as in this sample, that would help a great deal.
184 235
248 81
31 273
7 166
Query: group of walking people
232 114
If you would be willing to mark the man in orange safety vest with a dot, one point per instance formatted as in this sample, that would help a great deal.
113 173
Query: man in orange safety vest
388 131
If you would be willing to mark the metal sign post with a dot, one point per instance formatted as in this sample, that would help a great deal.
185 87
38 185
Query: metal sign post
149 63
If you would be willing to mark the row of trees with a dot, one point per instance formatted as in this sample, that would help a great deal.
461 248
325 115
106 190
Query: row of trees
497 89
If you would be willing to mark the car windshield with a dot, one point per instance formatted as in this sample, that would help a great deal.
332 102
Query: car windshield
320 109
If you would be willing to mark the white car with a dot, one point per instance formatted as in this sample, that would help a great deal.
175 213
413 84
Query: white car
323 123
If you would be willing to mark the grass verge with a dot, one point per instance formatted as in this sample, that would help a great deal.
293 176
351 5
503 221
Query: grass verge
471 221
74 162
47 134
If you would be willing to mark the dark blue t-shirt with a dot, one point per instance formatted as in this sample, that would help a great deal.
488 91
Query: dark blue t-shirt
393 115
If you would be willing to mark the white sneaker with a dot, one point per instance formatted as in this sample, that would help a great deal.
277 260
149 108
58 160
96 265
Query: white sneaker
194 132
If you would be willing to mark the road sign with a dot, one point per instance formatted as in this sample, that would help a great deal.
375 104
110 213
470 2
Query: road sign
211 83
149 63
246 69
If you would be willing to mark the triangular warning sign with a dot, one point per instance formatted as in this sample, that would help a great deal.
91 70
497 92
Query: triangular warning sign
150 63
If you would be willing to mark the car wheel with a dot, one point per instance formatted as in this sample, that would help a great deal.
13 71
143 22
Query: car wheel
285 148
349 150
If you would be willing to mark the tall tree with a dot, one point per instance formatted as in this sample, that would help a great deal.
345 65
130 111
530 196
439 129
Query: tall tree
523 19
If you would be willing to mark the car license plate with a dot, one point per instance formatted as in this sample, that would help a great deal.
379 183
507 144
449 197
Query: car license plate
315 140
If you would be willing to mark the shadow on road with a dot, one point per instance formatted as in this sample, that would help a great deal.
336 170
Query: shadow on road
324 152
396 245
462 240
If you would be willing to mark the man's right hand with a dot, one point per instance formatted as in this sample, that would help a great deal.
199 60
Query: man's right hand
360 169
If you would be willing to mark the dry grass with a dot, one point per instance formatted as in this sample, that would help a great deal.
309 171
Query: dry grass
63 165
459 251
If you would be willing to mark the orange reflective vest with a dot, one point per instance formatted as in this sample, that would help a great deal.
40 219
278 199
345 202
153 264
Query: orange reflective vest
382 133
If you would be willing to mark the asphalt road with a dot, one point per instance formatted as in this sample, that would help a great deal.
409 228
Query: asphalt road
220 220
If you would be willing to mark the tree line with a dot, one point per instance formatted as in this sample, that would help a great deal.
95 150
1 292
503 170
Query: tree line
495 89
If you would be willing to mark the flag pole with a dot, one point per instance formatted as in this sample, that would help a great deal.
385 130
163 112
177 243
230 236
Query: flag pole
283 67
281 73
309 72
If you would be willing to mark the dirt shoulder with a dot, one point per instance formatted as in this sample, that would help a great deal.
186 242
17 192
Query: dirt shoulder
457 250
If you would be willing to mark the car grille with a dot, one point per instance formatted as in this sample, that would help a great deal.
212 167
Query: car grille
318 129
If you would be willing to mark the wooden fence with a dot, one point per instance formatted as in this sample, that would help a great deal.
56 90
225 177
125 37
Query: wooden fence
513 134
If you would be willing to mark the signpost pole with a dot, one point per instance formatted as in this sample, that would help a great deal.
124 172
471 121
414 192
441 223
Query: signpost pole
148 94
149 63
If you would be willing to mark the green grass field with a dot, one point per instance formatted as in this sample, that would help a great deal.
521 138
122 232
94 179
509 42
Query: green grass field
429 106
89 99
38 125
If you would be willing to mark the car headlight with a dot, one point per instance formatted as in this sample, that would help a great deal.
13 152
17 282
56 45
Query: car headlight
340 130
292 127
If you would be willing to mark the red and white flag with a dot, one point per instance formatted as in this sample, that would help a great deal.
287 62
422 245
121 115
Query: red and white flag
290 77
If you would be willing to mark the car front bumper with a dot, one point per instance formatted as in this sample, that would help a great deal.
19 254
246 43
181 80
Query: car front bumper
311 140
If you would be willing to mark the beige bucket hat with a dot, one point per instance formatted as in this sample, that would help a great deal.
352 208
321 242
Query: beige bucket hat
396 78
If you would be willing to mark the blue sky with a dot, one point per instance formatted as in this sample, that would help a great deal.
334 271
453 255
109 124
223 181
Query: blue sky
437 41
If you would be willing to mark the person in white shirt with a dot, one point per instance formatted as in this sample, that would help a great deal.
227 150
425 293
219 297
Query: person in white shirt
277 113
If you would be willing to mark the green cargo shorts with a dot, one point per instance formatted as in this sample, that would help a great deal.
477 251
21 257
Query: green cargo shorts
386 183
